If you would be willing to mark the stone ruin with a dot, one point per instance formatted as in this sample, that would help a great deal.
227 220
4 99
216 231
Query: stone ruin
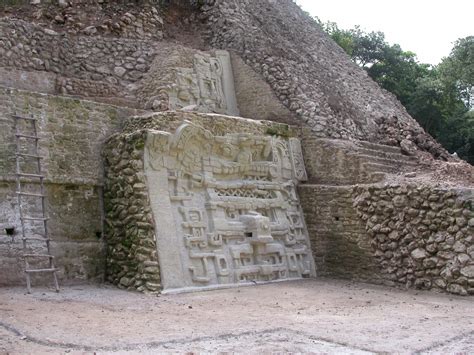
202 145
224 208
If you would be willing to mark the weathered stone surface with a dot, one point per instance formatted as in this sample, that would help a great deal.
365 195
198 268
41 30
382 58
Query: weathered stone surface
408 147
468 271
457 289
208 85
239 222
82 65
439 247
418 254
411 235
324 91
72 132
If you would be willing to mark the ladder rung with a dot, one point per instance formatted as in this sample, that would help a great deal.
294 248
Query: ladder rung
29 194
41 270
42 256
24 118
26 136
31 175
34 218
40 239
29 155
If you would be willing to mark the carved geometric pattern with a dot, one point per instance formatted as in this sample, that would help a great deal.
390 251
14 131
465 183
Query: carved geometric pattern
208 85
244 193
297 159
234 207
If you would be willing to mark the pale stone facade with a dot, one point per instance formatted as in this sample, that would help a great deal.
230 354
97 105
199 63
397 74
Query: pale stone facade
207 87
227 207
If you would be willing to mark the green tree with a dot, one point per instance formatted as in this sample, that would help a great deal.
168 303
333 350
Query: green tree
440 98
457 70
369 48
398 72
342 37
456 74
425 103
457 135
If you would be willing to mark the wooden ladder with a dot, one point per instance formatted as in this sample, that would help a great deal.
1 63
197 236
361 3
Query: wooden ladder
33 228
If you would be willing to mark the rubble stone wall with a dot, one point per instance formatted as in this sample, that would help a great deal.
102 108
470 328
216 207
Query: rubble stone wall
132 260
309 73
92 18
255 97
72 133
112 62
399 235
421 236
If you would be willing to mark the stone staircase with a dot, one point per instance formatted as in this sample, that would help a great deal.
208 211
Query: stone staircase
342 162
378 160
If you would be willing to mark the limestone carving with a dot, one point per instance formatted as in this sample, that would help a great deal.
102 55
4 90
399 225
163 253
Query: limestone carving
297 159
208 86
226 208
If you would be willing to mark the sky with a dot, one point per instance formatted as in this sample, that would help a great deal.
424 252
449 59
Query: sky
425 27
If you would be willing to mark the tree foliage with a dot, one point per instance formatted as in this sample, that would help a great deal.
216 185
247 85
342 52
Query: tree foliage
440 98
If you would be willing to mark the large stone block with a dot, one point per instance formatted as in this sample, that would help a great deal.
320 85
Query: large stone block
225 207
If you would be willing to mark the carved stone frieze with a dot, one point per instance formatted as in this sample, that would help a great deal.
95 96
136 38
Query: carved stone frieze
206 87
228 207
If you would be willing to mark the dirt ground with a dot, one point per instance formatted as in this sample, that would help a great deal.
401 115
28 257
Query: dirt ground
319 316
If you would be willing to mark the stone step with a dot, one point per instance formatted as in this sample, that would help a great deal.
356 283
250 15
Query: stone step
379 147
383 154
376 167
385 161
377 177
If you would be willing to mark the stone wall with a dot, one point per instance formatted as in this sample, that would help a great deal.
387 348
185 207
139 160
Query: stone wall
338 237
92 18
72 133
182 77
309 73
255 97
108 62
137 185
399 235
421 236
217 124
132 260
39 81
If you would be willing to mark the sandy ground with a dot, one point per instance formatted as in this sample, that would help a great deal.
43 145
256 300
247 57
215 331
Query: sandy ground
319 316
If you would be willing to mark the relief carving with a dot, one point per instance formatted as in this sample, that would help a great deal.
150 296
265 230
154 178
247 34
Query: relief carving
234 202
297 159
207 87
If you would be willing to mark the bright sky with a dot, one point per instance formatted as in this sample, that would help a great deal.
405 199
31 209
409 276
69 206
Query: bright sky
426 27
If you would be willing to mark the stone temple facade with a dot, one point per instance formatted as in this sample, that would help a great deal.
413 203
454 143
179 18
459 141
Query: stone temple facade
202 145
224 208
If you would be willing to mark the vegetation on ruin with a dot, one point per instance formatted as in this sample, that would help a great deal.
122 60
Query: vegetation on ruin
440 97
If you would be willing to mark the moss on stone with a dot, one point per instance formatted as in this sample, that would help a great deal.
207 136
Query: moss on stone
280 130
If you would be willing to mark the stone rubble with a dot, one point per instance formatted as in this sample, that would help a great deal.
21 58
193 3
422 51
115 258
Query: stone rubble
421 237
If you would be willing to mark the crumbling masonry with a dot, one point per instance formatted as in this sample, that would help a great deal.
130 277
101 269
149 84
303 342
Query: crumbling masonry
202 145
